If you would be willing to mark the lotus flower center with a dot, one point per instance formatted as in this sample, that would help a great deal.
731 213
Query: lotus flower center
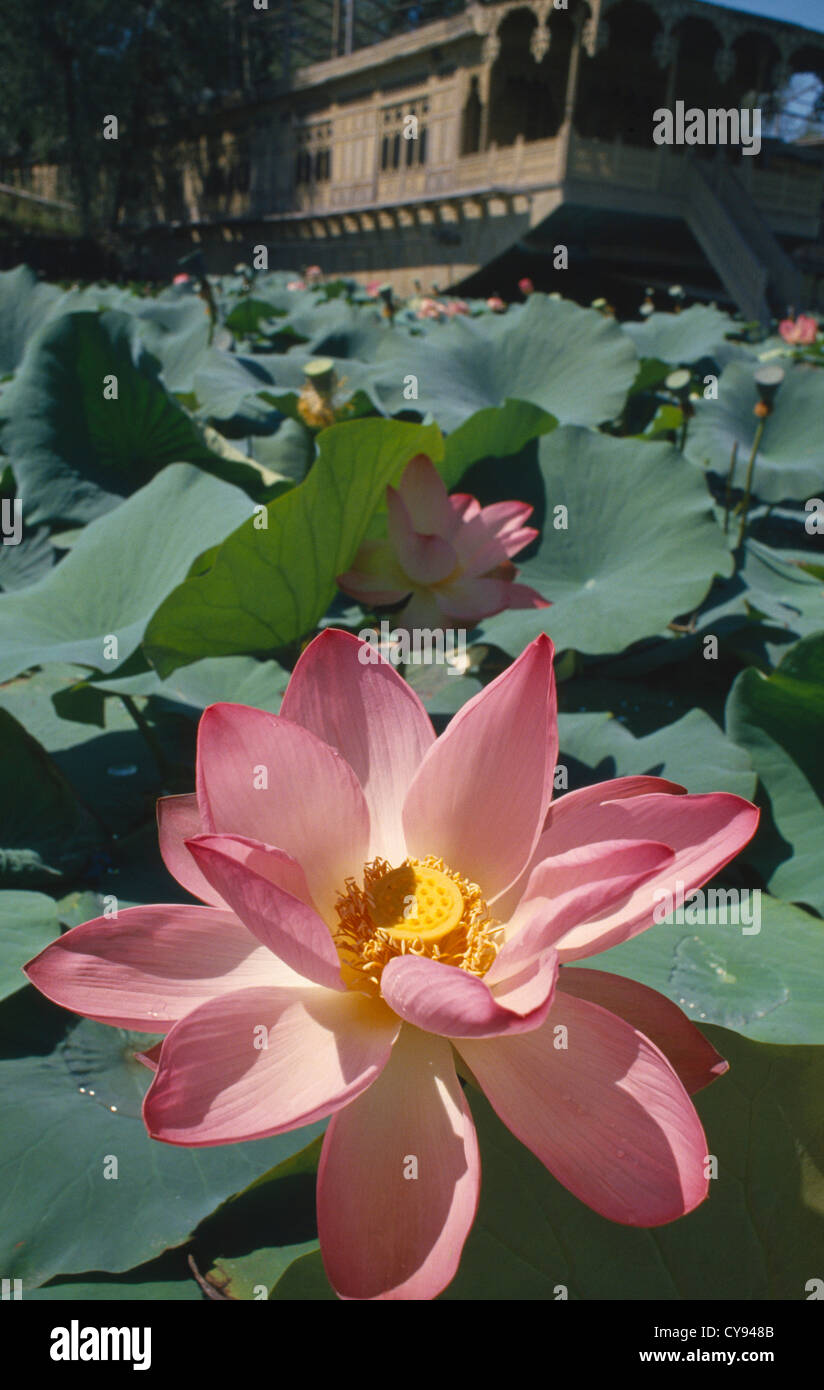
416 901
420 907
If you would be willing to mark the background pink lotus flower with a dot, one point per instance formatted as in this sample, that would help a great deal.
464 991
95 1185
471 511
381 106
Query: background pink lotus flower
304 932
801 331
296 285
456 306
448 555
181 279
430 309
496 304
526 286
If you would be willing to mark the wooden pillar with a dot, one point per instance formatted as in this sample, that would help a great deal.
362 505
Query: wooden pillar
484 91
483 88
565 133
377 96
664 152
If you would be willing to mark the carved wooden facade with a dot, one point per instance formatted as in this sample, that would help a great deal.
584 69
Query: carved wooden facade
425 156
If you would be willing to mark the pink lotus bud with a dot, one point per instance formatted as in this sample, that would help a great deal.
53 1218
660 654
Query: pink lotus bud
800 332
430 309
448 555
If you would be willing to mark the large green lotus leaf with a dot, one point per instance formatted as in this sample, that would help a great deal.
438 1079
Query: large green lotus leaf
778 719
755 965
337 329
442 690
651 372
134 872
692 751
776 587
270 287
75 453
789 851
789 704
59 1214
177 334
289 451
641 547
228 385
119 571
228 1249
772 599
133 1288
788 463
44 832
239 679
267 587
758 1236
494 433
247 316
680 338
572 362
94 298
25 304
252 391
23 564
304 1281
240 468
107 763
28 922
248 1244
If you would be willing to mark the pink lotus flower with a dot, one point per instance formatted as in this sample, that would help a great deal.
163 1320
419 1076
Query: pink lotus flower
430 309
801 331
181 279
526 286
456 306
373 288
496 304
377 904
448 556
296 285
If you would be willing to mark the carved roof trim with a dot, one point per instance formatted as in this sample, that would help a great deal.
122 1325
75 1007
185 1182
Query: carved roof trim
483 20
436 35
729 24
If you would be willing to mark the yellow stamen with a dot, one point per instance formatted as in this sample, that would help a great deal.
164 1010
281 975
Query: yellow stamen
422 908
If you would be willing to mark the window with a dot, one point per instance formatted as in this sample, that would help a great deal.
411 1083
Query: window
313 161
403 135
